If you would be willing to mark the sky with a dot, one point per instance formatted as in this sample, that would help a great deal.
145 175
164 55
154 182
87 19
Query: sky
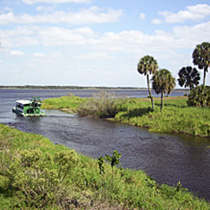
97 42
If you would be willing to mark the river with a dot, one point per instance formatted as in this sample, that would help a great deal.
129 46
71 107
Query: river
166 158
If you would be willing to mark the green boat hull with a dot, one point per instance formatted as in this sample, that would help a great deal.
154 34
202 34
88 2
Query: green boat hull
40 114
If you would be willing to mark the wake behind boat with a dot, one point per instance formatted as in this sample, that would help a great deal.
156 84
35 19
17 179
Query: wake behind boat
29 108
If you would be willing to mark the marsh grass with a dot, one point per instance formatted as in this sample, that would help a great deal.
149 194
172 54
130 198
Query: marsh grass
41 175
68 103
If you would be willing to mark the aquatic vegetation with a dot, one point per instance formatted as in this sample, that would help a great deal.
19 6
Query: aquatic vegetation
36 174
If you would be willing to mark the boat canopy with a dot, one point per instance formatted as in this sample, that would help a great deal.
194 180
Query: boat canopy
23 102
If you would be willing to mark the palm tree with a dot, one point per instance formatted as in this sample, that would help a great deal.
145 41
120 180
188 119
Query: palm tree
163 82
148 65
201 57
188 77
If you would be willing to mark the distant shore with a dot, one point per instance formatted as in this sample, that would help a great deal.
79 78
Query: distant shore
74 87
62 87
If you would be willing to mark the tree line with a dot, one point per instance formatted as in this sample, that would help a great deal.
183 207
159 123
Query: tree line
59 87
163 82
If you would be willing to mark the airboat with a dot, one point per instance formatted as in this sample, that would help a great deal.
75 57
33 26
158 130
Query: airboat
29 108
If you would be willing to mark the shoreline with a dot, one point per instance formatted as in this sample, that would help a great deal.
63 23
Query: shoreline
176 117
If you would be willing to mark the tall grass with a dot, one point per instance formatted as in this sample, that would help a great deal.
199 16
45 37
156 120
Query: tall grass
36 174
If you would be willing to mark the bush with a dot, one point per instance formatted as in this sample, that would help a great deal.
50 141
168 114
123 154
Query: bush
103 105
36 179
199 97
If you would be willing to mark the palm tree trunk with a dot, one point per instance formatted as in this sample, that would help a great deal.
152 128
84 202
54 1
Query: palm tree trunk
204 77
161 104
150 93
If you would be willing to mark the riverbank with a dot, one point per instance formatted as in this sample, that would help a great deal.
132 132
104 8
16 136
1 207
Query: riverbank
37 174
176 116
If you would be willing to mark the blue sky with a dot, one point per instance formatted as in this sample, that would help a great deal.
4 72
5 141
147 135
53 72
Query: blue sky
97 42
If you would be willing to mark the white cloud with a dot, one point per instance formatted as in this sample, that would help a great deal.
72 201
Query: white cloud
130 41
60 36
45 9
16 53
83 16
39 54
6 18
54 1
196 13
156 21
19 36
142 16
190 36
51 36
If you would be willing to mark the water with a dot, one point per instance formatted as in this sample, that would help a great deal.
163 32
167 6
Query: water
167 158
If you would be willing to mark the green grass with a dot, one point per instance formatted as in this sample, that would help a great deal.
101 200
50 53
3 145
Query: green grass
36 174
176 117
67 103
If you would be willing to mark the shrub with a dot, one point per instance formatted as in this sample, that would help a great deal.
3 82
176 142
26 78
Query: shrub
66 160
199 97
36 180
103 105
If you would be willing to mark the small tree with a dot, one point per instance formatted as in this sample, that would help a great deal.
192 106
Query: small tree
201 58
113 160
148 65
163 82
188 77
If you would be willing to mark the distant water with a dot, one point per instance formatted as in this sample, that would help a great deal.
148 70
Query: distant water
167 158
49 93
